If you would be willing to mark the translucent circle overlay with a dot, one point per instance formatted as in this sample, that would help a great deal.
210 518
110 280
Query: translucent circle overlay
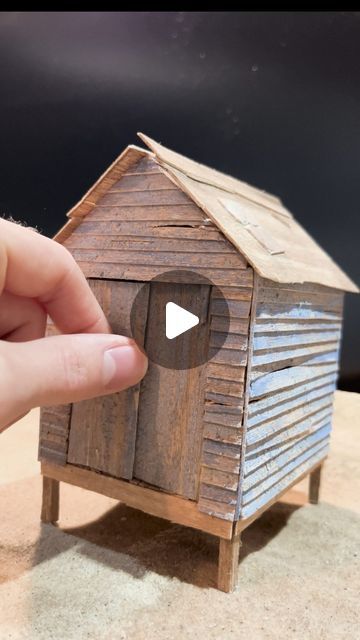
192 292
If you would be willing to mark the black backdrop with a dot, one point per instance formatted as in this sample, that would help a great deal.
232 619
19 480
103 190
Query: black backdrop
272 98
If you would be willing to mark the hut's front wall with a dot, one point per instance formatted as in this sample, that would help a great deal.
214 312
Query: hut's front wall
142 227
294 366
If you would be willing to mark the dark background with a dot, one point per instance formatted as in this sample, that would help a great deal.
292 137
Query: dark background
271 98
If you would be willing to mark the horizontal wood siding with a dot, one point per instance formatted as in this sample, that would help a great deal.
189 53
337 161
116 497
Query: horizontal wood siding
294 368
145 225
224 400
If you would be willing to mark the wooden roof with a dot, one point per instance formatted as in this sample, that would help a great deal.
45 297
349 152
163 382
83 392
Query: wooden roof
255 222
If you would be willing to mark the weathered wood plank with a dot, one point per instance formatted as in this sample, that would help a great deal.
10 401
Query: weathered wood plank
221 449
54 433
257 460
234 308
271 359
270 495
115 216
283 456
220 462
277 400
299 429
225 387
103 430
228 341
143 198
286 407
265 326
284 312
218 432
273 479
218 494
225 372
147 272
225 400
325 300
169 435
234 325
298 414
222 479
142 182
147 244
268 383
216 509
223 416
232 357
160 258
294 341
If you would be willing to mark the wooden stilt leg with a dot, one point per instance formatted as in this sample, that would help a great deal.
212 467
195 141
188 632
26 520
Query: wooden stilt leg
314 485
50 500
228 563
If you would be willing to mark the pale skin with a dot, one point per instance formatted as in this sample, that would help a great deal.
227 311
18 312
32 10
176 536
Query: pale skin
38 277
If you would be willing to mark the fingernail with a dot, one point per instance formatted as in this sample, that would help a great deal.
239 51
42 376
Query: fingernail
123 367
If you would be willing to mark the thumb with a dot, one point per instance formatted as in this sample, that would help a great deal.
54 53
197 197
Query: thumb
65 368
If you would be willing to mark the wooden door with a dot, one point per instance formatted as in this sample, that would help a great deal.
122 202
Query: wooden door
171 405
103 430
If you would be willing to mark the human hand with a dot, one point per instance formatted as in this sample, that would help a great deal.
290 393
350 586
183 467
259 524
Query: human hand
38 277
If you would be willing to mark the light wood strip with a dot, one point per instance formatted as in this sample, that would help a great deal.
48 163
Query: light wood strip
265 343
156 503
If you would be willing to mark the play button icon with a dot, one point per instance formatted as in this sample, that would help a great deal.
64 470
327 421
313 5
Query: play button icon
178 320
181 319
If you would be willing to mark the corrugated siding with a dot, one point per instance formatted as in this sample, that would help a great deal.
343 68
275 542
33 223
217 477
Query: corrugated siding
293 377
224 401
145 225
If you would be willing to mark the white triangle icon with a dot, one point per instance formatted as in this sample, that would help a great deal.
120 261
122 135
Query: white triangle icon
178 320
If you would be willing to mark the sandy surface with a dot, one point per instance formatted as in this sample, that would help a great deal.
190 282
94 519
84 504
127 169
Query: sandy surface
111 573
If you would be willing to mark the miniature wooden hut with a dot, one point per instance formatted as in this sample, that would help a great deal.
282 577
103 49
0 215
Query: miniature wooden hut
226 439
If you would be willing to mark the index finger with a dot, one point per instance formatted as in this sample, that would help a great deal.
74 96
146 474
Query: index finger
34 266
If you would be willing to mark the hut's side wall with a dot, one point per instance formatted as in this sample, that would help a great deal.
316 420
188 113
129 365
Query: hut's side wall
293 375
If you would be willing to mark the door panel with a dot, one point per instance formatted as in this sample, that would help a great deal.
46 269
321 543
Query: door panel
169 432
103 430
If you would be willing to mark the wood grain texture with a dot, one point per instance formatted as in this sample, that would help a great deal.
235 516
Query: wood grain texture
228 564
269 226
54 433
297 332
103 430
145 224
244 522
169 433
314 485
50 500
156 503
224 400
